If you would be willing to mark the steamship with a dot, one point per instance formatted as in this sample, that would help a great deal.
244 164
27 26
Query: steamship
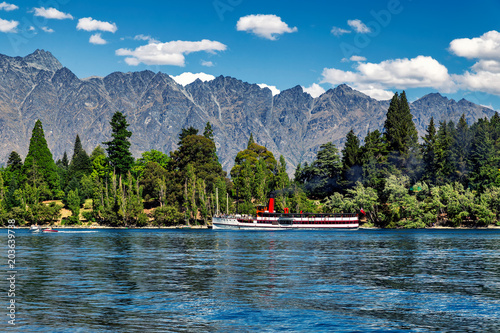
268 219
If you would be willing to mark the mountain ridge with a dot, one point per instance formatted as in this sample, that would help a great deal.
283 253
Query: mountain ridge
292 123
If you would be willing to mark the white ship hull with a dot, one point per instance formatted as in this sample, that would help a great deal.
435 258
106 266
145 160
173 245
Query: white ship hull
285 223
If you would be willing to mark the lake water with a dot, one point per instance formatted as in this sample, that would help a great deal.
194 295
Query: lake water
251 281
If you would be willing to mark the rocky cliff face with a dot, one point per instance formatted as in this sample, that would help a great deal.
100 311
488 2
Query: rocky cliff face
292 123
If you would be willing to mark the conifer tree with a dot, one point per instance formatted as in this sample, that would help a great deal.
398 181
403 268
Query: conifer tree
444 163
400 130
80 162
14 167
374 160
200 152
351 159
39 161
429 152
15 162
65 161
461 148
187 132
481 155
118 148
495 127
282 179
208 132
321 176
250 141
298 172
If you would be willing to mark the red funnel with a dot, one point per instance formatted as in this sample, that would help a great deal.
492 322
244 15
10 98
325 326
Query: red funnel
271 205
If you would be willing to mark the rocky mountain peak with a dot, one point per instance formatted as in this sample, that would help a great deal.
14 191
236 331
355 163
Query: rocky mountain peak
43 60
292 123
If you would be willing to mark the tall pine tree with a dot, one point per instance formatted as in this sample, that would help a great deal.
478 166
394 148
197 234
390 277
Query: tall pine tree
402 136
351 159
400 131
461 148
444 158
80 162
483 170
118 149
185 132
39 164
208 132
429 152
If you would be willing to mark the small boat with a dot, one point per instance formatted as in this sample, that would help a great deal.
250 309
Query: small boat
35 228
268 219
49 229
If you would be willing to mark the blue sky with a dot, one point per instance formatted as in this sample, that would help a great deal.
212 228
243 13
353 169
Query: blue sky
377 47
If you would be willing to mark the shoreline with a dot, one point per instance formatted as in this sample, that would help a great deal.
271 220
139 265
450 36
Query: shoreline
106 227
203 227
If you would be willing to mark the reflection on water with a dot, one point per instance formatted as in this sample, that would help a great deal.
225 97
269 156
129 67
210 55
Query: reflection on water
199 281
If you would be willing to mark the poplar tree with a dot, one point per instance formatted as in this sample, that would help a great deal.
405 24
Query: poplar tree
118 148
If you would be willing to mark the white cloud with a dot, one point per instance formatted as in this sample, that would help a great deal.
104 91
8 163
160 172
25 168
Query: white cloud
146 38
188 77
485 47
7 6
339 31
48 30
89 24
207 63
97 39
170 53
315 90
8 26
480 81
357 58
378 94
484 75
51 13
359 26
274 90
265 26
397 73
492 66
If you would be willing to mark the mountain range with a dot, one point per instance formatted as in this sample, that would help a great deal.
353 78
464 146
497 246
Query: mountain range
291 123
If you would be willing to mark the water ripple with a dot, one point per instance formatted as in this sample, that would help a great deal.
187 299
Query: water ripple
206 281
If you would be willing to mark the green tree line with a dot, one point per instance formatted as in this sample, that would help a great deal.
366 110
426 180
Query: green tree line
451 178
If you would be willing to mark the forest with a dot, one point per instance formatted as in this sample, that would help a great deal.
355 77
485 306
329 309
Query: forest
450 177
